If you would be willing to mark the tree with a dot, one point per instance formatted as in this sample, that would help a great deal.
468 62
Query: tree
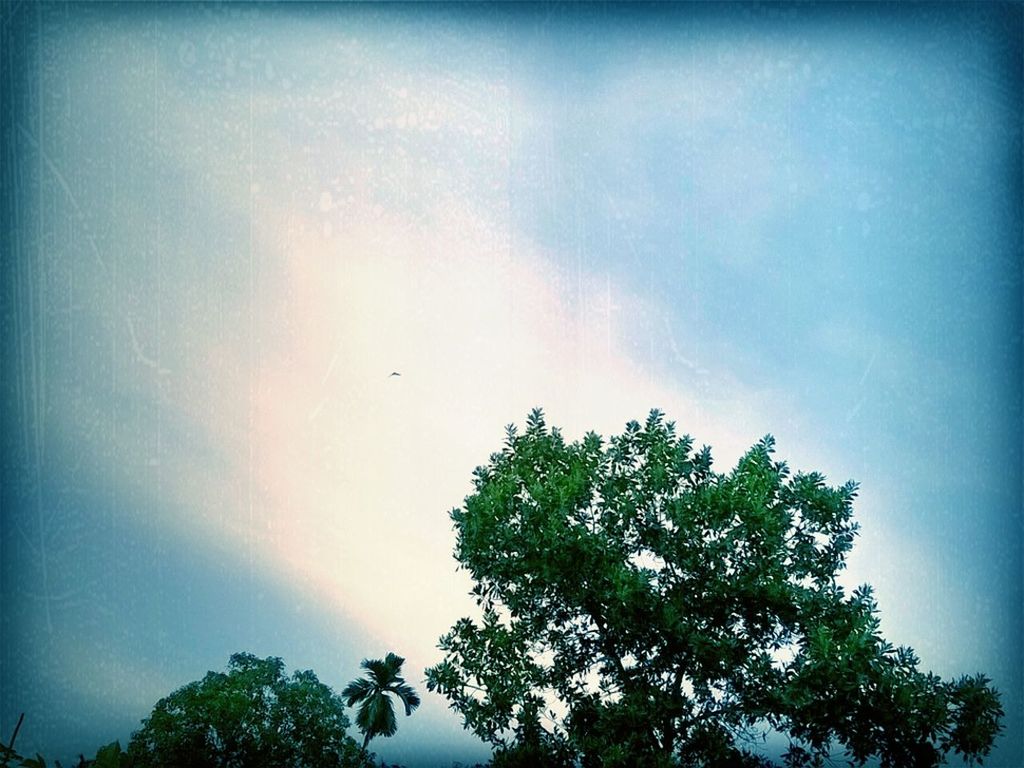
640 609
376 713
252 717
109 756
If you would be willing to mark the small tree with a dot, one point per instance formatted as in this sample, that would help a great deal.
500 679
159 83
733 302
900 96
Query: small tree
252 717
376 713
639 608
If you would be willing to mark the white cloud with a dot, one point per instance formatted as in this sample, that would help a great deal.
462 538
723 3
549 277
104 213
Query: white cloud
371 253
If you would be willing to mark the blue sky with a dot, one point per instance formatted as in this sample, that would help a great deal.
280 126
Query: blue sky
228 224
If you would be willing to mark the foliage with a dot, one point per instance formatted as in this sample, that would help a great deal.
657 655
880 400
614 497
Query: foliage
7 755
252 717
376 713
110 756
639 608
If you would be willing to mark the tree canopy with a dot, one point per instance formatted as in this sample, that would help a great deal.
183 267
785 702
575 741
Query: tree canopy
376 713
251 717
639 608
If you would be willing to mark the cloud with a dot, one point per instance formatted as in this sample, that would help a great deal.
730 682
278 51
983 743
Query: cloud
289 272
339 256
278 249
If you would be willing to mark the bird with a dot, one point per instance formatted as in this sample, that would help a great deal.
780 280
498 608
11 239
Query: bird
394 373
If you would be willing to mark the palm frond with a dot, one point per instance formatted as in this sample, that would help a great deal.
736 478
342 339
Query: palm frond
357 690
364 717
384 671
409 697
375 715
380 715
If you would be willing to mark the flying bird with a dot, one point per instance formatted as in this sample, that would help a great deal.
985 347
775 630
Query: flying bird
394 373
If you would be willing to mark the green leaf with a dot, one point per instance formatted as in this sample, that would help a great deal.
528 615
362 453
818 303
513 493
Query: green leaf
666 607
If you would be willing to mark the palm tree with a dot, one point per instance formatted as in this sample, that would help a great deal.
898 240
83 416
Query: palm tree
376 714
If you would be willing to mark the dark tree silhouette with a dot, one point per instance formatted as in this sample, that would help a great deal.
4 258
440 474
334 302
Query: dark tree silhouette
376 714
252 717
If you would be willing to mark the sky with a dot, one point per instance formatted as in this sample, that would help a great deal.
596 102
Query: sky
226 225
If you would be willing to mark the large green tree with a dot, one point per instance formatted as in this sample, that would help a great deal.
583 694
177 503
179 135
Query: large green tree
375 715
251 717
639 608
